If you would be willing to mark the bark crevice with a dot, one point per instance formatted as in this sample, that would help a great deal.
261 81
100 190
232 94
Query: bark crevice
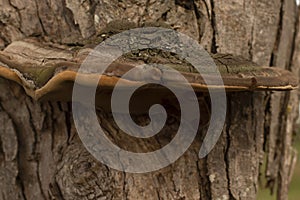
214 46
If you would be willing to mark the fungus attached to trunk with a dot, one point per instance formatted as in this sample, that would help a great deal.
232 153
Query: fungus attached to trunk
47 71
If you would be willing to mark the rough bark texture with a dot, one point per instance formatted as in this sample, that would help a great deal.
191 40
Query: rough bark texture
41 156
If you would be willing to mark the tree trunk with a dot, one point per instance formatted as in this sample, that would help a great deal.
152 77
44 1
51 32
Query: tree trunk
42 157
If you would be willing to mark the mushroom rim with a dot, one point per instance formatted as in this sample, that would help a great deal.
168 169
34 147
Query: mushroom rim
109 82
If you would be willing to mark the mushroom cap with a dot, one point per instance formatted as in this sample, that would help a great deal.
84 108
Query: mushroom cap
48 71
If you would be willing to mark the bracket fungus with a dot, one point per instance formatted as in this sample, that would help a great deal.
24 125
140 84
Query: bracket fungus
48 71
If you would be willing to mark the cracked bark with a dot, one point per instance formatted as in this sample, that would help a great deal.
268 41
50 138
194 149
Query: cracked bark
41 156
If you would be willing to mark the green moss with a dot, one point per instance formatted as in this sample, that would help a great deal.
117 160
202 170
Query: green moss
39 74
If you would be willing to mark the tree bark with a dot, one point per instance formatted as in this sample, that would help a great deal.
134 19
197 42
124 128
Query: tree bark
42 157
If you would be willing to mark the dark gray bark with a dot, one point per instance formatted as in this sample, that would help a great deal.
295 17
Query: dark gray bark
42 157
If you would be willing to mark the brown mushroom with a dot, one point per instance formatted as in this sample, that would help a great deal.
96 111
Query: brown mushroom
48 71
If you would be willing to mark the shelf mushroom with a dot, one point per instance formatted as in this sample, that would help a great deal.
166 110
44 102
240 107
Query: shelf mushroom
48 71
